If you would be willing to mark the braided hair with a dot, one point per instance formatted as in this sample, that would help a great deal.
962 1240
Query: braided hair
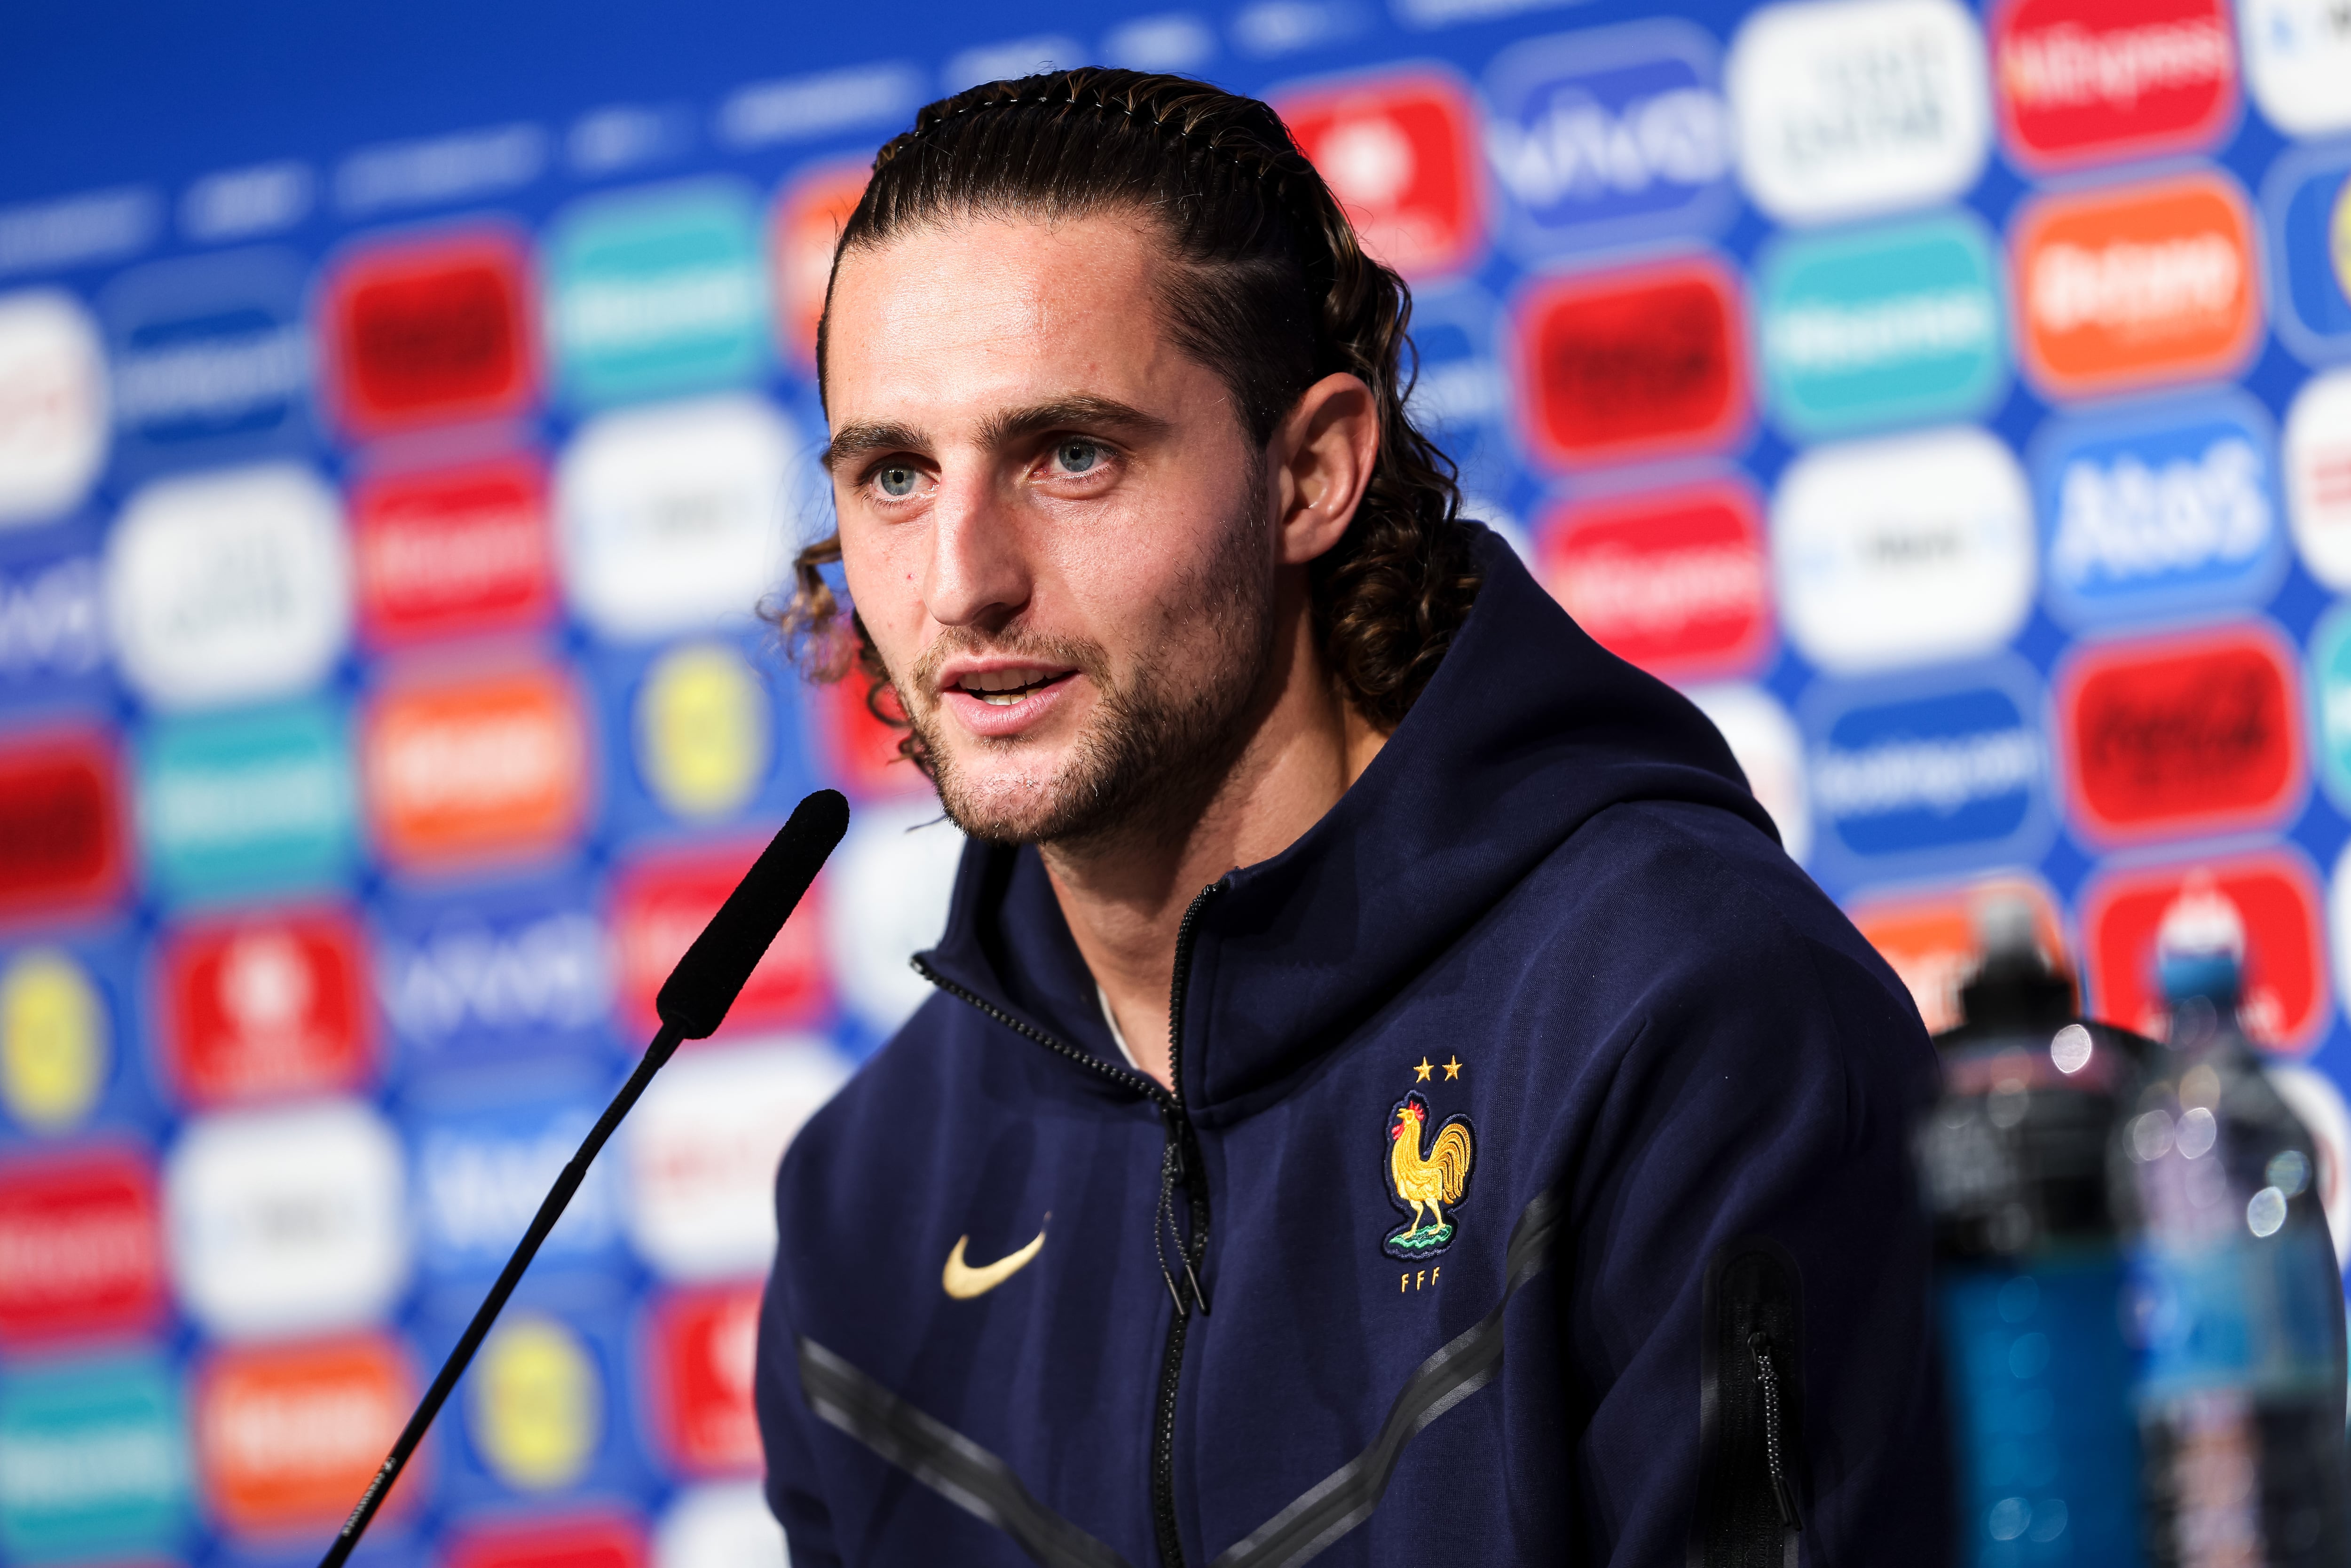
1270 289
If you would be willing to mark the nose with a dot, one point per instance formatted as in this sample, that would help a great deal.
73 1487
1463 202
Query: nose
977 574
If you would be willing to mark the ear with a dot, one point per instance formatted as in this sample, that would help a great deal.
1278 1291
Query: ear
1321 464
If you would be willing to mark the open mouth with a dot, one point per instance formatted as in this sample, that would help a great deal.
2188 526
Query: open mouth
1002 688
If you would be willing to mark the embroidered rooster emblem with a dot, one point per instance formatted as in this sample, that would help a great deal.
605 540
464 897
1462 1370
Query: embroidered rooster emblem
1423 1180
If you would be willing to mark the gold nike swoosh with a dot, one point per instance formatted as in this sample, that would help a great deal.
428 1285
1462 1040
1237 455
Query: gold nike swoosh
963 1282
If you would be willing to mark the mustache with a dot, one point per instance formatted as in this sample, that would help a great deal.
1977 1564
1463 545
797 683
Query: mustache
1089 659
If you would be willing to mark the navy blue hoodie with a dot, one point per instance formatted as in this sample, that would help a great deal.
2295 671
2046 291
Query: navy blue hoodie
1535 1189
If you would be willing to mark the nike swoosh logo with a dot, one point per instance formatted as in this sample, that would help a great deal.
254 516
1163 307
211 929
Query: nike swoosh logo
963 1282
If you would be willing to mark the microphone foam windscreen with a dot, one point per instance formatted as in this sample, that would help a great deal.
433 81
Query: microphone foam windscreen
694 999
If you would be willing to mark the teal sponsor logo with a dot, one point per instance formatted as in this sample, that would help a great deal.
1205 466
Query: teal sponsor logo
2330 694
1886 327
255 802
657 292
93 1461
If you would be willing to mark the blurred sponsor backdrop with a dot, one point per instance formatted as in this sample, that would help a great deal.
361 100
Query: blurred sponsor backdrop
401 419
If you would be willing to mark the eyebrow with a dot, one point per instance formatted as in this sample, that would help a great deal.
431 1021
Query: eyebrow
1083 411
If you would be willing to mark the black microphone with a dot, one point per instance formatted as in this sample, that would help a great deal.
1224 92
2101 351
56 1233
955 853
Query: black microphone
693 1003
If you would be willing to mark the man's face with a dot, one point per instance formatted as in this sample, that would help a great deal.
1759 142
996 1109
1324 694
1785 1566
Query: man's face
1052 524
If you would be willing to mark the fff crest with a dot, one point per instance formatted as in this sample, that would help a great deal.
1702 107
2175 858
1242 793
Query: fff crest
1427 1172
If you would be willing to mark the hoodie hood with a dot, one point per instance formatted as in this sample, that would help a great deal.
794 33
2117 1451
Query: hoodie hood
1527 730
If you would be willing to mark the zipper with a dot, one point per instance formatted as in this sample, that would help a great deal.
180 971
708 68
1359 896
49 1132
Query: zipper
1179 1166
1759 1344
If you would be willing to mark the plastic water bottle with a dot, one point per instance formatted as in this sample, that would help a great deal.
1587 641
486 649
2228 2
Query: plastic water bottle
2235 1303
2029 1265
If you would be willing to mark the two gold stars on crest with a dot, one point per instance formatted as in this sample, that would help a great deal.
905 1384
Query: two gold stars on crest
1452 1066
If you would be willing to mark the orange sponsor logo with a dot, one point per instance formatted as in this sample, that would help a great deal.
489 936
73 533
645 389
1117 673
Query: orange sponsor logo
291 1434
2137 286
1929 938
808 219
482 769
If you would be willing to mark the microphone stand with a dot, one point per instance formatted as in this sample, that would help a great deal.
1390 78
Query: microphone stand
550 1210
692 1004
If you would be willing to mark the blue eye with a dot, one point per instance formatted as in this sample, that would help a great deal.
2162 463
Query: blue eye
1078 456
896 481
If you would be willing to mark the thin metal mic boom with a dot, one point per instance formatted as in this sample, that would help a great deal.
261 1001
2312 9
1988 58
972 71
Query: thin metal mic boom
692 1004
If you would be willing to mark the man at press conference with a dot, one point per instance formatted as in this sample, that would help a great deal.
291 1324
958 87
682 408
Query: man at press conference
1388 1098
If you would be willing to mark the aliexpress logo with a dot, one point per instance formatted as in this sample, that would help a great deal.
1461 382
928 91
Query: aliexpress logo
1637 363
454 551
2275 895
594 1542
700 1345
431 331
2137 286
289 1435
82 1246
493 768
808 224
2169 735
661 903
1400 153
1678 584
265 1006
61 849
2091 80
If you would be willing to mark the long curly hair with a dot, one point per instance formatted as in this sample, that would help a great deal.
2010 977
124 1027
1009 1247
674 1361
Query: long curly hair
1271 290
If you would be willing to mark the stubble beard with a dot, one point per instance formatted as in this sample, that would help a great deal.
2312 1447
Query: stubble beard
1158 745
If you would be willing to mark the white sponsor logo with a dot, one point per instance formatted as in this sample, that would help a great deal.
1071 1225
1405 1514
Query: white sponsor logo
2298 57
2128 520
286 1221
703 1148
2134 289
674 517
50 621
2318 476
229 587
1939 776
53 408
2069 66
1905 551
886 899
1850 107
552 973
725 1526
1839 339
1770 752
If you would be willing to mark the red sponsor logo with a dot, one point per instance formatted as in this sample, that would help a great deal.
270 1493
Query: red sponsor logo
660 906
289 1435
483 768
454 552
82 1246
2089 79
61 849
266 1005
429 331
809 220
1400 153
2276 895
700 1352
1678 584
595 1542
1637 363
2170 735
863 749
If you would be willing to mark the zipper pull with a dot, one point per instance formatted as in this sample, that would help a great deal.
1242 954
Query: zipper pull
1164 1226
1759 1344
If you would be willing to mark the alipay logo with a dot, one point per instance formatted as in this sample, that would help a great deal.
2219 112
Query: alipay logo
1885 327
1596 136
1930 774
2161 510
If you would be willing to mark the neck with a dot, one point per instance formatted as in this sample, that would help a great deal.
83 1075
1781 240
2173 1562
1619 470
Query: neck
1125 900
